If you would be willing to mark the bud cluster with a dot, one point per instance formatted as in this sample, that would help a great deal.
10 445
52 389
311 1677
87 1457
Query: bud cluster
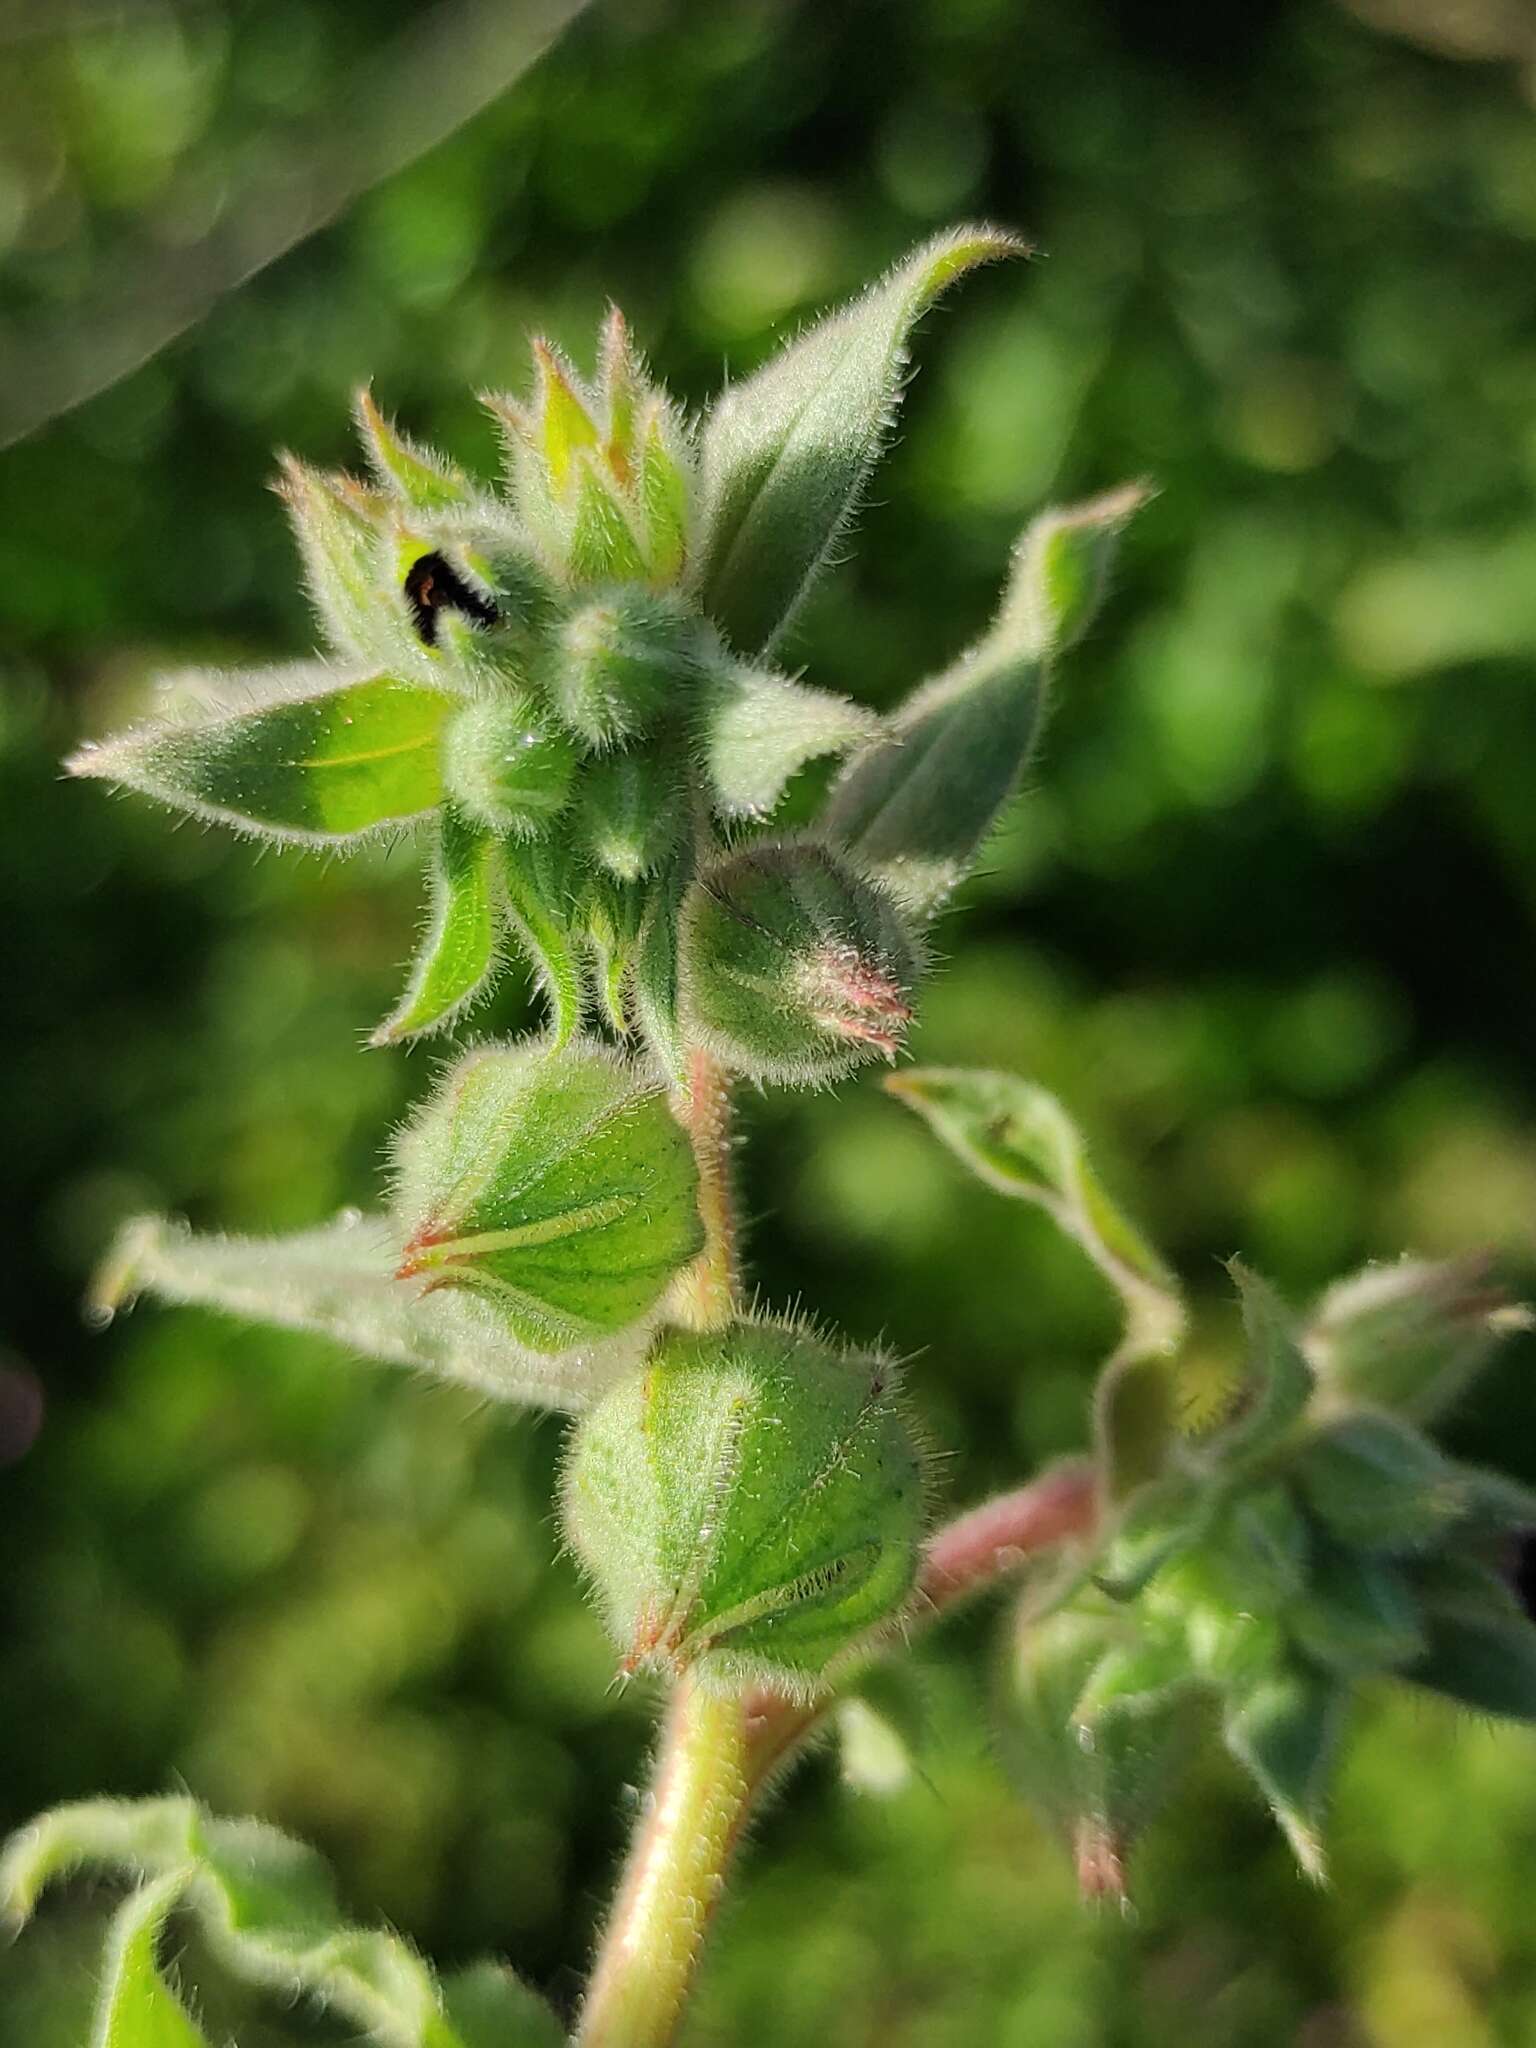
1311 1542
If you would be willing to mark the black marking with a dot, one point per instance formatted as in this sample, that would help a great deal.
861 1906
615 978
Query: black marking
432 584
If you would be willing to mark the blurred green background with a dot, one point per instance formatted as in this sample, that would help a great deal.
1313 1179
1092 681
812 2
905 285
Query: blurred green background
1265 920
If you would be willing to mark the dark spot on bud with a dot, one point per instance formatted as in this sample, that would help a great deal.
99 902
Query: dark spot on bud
431 584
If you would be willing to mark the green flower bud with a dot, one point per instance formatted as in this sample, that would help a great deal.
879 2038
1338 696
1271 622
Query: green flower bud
505 768
619 663
1409 1337
794 967
634 809
749 1505
557 1185
604 477
1094 1722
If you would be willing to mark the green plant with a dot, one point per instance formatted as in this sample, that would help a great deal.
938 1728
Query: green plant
570 690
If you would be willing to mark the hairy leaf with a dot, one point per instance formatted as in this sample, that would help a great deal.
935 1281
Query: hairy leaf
917 808
427 482
1284 1731
540 907
299 754
758 728
135 2007
1017 1137
458 950
1276 1383
339 1281
786 454
269 1910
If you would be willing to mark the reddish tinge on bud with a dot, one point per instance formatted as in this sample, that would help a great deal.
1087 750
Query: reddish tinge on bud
795 967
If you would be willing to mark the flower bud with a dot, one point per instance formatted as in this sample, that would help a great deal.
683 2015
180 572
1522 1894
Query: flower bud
1094 1723
748 1505
634 809
557 1185
506 768
794 967
1409 1337
618 664
604 477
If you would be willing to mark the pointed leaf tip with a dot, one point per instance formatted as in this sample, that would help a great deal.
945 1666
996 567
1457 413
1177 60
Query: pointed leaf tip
786 453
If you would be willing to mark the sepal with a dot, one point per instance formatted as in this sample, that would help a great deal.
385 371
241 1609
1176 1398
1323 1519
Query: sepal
1284 1730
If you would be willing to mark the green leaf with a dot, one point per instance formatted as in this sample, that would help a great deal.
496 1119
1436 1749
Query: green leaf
458 952
1017 1138
657 994
426 481
917 808
349 550
268 1908
339 1281
787 453
1377 1484
1284 1731
758 728
1276 1383
1356 1614
135 2007
309 756
558 1186
540 908
1485 1661
1062 566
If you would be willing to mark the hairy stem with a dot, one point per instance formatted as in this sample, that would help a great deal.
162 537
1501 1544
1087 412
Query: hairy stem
674 1877
705 1297
718 1754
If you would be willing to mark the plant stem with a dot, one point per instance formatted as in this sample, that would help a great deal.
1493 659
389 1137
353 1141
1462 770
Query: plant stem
718 1753
706 1295
674 1877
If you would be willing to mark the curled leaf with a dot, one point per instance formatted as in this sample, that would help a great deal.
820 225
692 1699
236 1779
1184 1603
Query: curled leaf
1017 1138
268 1908
917 807
758 728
